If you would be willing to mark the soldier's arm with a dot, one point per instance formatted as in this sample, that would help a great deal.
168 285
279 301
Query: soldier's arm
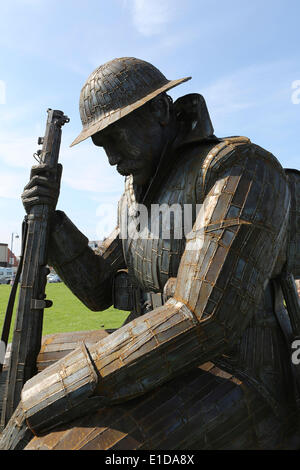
228 259
87 274
220 283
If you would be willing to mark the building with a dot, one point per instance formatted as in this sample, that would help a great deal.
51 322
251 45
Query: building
4 255
7 258
12 259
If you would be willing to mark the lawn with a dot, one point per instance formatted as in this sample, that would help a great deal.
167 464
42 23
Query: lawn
67 312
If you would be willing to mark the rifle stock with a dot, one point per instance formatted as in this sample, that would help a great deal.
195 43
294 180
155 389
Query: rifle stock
27 334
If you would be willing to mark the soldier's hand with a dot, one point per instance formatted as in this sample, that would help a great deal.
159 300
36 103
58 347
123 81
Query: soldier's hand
43 187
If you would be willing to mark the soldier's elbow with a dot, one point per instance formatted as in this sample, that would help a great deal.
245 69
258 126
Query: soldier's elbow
98 304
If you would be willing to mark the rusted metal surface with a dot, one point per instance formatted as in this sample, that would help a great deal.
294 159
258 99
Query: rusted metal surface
218 295
54 347
195 325
48 397
17 434
58 345
205 409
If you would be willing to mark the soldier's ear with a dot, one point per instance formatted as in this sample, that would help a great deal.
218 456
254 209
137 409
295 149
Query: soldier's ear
160 108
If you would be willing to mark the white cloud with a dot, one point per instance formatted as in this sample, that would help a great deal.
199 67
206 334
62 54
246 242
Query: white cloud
248 87
227 95
18 151
151 16
12 184
16 159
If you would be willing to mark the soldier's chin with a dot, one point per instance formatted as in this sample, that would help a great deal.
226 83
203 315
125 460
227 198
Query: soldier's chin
139 176
123 172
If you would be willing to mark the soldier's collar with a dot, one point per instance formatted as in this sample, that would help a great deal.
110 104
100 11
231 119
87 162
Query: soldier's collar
193 119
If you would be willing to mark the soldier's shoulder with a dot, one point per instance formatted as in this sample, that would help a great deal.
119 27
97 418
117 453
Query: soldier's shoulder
236 150
234 154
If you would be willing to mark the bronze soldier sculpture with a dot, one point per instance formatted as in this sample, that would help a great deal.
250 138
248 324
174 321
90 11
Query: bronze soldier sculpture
202 361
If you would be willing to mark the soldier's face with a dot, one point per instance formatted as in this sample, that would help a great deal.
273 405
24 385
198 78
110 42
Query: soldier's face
134 144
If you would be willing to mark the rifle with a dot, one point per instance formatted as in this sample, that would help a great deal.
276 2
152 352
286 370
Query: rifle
27 335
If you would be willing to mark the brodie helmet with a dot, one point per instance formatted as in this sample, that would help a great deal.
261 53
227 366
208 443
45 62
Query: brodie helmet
117 88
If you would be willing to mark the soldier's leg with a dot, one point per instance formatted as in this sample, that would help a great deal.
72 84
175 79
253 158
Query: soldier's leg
199 410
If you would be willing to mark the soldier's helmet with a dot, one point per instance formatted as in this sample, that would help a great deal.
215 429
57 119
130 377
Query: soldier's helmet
117 88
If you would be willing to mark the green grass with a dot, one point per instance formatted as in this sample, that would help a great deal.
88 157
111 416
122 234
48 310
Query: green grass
67 312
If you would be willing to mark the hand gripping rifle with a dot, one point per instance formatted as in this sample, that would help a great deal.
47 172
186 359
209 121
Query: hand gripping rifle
33 269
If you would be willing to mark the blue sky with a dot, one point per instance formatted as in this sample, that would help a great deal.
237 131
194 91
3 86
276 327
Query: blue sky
244 58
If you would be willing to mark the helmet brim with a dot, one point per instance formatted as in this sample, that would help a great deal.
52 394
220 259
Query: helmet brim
117 114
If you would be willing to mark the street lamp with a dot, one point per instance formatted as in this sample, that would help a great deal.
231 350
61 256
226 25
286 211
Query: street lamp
13 235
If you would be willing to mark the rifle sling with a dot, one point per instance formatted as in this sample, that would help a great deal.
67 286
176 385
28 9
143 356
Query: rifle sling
13 292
